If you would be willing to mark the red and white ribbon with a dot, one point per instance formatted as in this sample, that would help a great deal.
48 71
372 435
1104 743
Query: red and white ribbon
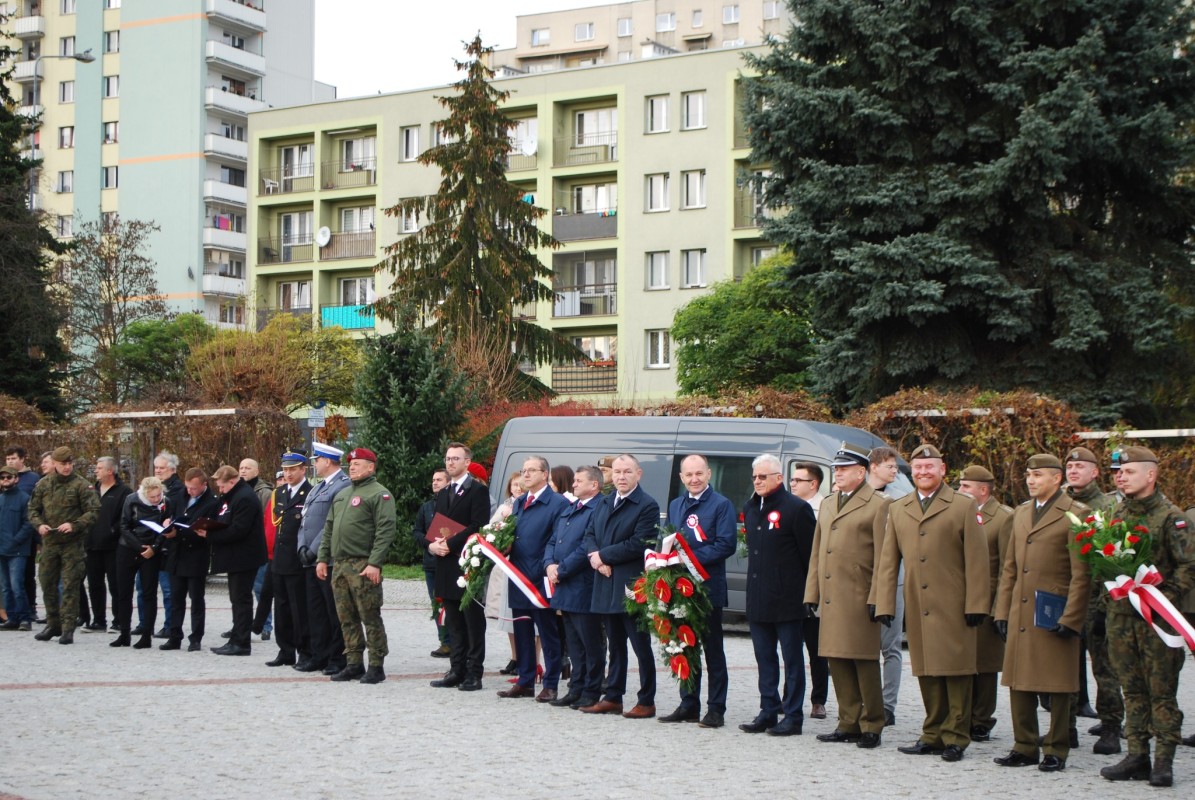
549 589
773 520
666 558
503 563
695 524
689 559
1141 590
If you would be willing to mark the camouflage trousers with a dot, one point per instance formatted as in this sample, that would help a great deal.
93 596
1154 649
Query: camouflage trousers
1108 702
359 605
1148 672
61 564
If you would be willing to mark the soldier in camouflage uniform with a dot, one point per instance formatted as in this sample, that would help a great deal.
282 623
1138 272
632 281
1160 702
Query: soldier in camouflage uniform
1148 669
62 510
1082 484
358 534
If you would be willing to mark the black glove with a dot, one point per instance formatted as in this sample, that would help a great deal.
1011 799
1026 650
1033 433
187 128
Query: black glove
811 608
975 620
1063 632
1099 625
885 620
306 557
871 612
1001 626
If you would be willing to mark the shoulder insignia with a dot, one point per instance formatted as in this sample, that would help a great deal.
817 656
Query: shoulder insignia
1180 523
385 496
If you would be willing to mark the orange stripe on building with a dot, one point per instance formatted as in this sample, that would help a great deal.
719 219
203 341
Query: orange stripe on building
166 157
143 23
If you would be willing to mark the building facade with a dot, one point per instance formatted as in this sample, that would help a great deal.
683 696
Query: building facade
143 109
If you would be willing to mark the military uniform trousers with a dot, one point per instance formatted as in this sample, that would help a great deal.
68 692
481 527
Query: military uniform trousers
984 687
1023 709
947 700
359 605
1108 702
860 692
1148 672
62 564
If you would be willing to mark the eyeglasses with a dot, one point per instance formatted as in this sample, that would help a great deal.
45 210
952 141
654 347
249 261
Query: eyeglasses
800 480
763 477
450 459
8 477
531 469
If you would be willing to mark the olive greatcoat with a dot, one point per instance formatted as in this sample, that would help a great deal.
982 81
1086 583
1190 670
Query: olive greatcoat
846 549
945 555
1040 559
997 526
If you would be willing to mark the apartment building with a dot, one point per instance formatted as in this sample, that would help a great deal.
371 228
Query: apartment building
642 168
143 109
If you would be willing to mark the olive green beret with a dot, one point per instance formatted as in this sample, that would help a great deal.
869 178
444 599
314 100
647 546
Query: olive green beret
978 473
1044 461
925 451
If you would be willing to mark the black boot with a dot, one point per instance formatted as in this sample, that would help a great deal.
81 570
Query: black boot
122 639
47 633
171 644
1133 767
1163 772
146 640
1109 743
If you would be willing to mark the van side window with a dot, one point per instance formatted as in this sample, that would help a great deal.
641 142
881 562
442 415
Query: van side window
729 475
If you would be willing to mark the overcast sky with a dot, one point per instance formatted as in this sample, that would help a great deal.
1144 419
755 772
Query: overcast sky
366 46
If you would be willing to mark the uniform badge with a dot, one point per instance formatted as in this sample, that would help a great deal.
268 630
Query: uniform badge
385 496
1180 523
356 501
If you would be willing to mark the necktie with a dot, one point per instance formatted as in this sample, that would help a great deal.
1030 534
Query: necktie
925 502
580 504
530 499
842 498
617 502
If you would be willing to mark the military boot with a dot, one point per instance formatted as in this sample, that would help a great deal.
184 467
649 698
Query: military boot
1109 743
1162 773
1133 767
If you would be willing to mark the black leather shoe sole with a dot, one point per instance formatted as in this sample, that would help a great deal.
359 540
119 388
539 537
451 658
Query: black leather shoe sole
1015 759
839 736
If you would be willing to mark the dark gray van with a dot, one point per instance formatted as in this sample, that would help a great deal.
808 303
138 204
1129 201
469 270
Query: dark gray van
730 444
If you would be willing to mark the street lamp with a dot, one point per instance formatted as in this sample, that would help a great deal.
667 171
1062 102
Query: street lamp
85 57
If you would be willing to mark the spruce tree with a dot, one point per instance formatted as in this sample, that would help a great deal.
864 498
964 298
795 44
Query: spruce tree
983 192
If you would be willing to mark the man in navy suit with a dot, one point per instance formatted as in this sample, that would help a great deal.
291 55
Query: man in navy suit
286 571
621 528
567 566
467 501
537 512
706 519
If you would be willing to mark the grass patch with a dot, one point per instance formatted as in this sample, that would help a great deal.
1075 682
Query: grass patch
403 572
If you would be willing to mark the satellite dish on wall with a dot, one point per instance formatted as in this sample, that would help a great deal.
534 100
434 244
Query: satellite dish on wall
529 146
323 236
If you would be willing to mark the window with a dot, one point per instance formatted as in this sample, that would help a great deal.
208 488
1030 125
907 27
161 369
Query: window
232 176
356 154
595 198
111 132
111 86
657 192
624 55
68 6
410 143
732 42
66 227
111 41
409 223
771 9
665 22
624 26
692 268
356 291
223 220
659 347
111 3
110 178
540 37
440 137
597 126
693 189
657 114
356 220
761 254
66 182
598 348
231 130
66 46
66 137
730 15
583 31
66 92
657 270
232 40
294 295
692 109
230 313
698 21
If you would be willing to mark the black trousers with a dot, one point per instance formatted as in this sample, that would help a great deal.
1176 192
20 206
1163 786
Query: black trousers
240 596
265 603
290 615
186 591
327 641
819 668
466 632
129 564
31 575
101 570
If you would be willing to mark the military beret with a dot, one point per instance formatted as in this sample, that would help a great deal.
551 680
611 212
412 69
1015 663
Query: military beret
1044 461
850 455
925 451
606 461
1082 454
977 473
63 455
294 458
364 454
1134 454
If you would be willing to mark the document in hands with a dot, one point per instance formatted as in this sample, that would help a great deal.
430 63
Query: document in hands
155 527
441 527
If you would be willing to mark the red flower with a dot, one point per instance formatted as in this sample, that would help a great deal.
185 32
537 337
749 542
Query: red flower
1109 549
663 627
640 590
1079 536
1090 534
1085 549
662 591
1134 539
1116 522
684 586
1141 529
686 635
680 667
1089 520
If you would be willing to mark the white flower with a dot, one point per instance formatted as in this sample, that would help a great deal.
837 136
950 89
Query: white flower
461 561
461 582
475 561
477 549
1074 519
503 513
678 612
489 537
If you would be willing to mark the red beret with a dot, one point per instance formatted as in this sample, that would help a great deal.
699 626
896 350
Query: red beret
478 471
364 454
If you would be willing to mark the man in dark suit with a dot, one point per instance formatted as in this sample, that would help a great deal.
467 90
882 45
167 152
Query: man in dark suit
621 528
780 530
187 562
706 519
238 549
537 512
466 501
566 565
290 594
423 519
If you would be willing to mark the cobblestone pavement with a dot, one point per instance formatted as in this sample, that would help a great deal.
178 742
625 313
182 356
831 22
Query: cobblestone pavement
87 721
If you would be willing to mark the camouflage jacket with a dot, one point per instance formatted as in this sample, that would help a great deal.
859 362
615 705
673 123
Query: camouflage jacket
1173 547
1091 496
57 500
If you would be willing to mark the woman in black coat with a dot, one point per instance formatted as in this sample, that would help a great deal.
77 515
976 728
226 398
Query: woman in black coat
138 553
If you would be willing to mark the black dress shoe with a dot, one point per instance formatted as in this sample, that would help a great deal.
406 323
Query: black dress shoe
682 714
511 668
373 675
145 642
265 636
868 741
583 702
96 626
310 665
231 649
10 625
712 719
566 700
952 753
920 748
1052 764
470 685
194 647
448 681
164 633
1016 759
758 725
889 718
839 736
980 733
350 673
281 661
122 640
1086 711
789 726
171 644
138 631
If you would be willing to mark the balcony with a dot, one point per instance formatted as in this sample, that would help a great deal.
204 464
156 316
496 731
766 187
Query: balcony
224 239
30 111
351 318
220 99
237 13
590 300
594 378
285 249
749 211
264 315
223 285
221 146
32 155
349 244
574 227
233 59
521 162
339 175
27 71
29 27
574 151
219 192
284 180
